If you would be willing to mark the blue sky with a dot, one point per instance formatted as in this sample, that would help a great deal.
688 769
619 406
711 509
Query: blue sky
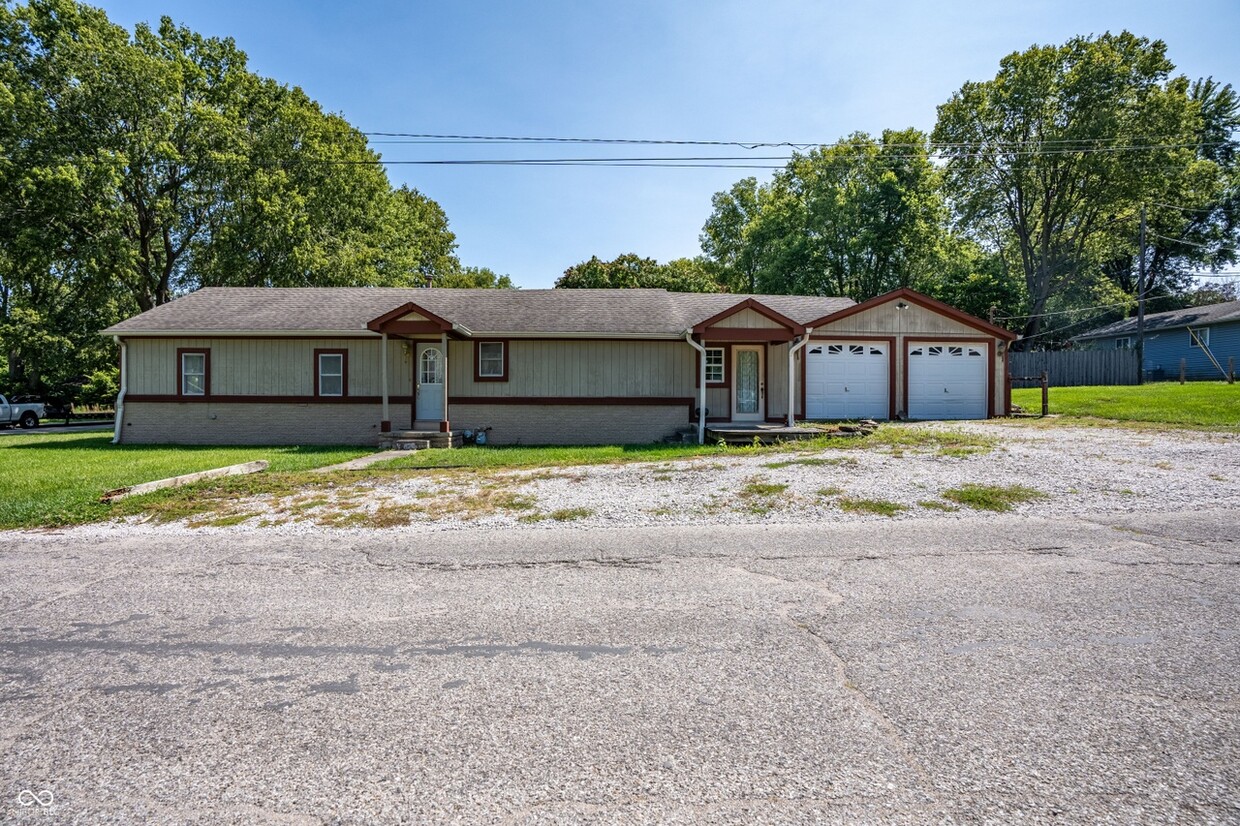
772 70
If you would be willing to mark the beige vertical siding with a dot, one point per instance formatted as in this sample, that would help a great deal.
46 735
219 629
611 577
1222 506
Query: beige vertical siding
777 380
887 320
266 367
718 401
748 319
580 368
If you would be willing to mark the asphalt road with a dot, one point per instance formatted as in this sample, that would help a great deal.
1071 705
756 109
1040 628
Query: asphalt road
992 669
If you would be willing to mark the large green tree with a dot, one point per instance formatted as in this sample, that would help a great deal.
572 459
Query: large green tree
1049 163
857 218
135 167
630 271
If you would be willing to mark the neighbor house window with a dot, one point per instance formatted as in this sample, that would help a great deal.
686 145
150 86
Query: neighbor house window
331 372
492 361
1123 343
1199 336
194 367
714 365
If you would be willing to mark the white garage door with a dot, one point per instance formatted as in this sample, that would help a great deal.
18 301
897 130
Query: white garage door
947 381
844 380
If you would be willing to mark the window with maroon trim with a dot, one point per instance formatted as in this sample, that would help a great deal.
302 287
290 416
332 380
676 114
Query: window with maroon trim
714 365
193 372
491 361
331 372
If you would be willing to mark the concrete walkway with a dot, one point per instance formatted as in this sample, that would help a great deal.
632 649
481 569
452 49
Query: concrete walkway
363 461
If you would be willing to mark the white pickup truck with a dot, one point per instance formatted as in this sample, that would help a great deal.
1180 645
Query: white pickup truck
26 415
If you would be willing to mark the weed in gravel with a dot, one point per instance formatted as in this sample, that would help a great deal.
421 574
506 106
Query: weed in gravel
1218 477
226 521
992 497
351 519
393 516
815 461
759 488
1163 465
481 503
831 491
936 505
569 514
882 507
561 515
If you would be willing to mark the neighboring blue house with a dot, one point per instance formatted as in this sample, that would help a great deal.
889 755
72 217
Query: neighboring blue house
1175 335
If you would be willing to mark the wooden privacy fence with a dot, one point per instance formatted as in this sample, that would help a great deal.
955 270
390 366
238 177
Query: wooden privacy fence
1075 368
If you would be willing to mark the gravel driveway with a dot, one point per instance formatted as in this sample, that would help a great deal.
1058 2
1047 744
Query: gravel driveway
1079 470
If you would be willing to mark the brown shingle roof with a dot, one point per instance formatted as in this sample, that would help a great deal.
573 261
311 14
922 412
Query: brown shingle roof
224 310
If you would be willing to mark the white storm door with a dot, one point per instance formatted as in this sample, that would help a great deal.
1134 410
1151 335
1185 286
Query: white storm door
428 369
748 386
947 380
847 380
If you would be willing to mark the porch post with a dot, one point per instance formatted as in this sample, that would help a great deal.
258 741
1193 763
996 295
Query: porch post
443 344
385 426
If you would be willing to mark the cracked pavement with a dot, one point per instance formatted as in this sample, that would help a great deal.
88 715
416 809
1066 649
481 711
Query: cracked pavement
996 668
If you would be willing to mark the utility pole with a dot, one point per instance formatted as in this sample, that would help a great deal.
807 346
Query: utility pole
1141 304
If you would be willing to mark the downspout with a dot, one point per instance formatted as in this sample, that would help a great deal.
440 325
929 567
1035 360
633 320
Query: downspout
120 397
701 385
792 359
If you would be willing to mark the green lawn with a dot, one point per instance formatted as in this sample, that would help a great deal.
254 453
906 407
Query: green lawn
49 480
1195 404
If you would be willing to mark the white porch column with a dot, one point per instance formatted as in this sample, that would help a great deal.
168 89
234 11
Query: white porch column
386 424
443 344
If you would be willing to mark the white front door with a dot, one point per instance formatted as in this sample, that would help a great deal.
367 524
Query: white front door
428 370
847 380
748 384
947 380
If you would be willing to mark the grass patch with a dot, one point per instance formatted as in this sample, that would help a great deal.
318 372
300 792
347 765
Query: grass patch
763 489
831 491
1199 404
992 497
57 479
882 507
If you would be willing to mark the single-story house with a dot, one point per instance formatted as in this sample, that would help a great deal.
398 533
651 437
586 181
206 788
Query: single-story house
344 365
1204 337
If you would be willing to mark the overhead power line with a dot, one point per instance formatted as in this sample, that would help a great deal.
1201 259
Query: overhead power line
893 152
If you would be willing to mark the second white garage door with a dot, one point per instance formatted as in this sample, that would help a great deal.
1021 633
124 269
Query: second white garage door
947 381
845 380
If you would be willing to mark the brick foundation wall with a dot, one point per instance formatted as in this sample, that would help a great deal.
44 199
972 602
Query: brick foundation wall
571 424
206 423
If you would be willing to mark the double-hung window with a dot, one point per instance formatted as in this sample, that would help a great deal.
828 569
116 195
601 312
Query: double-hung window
492 361
1123 343
331 372
194 369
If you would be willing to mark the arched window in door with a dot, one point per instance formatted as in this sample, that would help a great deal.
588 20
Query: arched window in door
430 370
